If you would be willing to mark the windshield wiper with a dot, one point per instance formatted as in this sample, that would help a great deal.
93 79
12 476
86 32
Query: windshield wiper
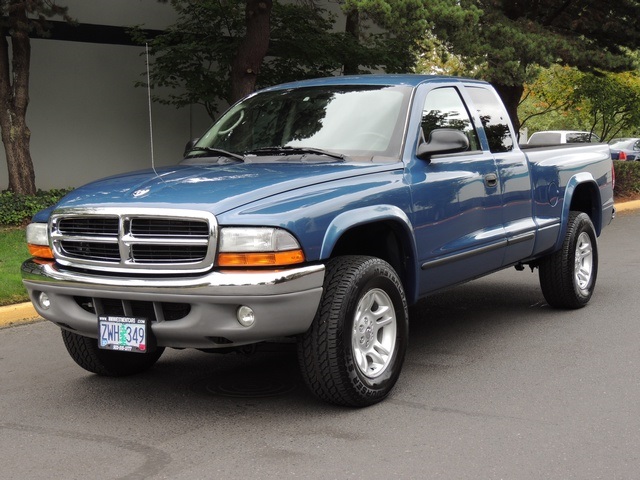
283 150
219 152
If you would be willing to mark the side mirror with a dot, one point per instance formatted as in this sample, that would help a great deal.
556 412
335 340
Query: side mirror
190 144
443 140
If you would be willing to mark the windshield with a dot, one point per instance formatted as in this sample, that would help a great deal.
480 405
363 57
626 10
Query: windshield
362 122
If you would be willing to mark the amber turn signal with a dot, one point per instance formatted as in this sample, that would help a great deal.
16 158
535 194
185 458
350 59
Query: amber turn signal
260 259
40 251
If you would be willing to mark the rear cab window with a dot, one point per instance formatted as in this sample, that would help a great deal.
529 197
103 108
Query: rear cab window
494 118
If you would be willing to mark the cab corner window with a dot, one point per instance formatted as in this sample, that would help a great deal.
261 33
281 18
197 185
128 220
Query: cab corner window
443 108
494 118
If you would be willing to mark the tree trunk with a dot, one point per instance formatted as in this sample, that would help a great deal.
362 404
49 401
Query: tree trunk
14 98
352 28
252 49
511 95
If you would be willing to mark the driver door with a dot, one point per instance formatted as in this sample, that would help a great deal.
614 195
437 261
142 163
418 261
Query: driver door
457 214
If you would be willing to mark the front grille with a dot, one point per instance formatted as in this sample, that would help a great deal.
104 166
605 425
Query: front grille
148 240
155 227
95 226
168 253
107 252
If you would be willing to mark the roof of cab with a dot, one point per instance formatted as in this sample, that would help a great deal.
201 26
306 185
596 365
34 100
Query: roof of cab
390 79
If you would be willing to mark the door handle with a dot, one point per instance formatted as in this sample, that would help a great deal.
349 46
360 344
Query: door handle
491 180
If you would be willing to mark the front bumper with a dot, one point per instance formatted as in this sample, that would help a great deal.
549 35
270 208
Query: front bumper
284 302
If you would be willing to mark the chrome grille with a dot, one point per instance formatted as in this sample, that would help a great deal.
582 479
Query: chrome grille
149 240
172 228
89 226
168 253
108 252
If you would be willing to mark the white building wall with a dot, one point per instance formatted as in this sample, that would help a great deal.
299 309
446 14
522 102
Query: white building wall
87 119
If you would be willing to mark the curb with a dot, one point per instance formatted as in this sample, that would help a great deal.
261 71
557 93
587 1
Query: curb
627 206
18 314
22 313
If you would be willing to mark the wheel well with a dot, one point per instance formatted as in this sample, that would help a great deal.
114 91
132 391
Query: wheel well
382 240
585 199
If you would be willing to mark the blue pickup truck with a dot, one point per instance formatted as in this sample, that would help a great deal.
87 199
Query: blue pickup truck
317 211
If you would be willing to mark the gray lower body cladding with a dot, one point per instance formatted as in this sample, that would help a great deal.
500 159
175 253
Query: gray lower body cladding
190 312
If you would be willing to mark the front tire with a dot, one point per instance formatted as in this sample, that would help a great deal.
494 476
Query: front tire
354 350
568 276
86 353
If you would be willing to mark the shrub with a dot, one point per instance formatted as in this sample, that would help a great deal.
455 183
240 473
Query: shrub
18 209
627 179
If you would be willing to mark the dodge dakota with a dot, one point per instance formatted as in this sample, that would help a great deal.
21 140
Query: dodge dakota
317 212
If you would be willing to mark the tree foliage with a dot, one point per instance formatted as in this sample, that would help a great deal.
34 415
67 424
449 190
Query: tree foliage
549 102
511 39
612 101
564 98
20 19
203 57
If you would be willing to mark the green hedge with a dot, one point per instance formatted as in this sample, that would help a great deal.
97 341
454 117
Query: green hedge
627 180
18 209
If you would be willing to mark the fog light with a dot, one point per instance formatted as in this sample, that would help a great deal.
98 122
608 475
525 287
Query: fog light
44 301
246 316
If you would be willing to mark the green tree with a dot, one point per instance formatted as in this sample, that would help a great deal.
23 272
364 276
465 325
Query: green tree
564 98
513 38
220 50
20 19
549 102
400 25
612 101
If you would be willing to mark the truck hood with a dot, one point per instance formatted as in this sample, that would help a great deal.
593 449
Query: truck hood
213 188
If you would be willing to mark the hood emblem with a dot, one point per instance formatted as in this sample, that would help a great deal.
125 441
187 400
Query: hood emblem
141 192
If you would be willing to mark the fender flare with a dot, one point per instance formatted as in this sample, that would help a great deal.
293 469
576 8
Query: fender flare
372 214
578 180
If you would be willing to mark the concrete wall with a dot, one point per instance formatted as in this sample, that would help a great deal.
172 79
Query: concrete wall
87 119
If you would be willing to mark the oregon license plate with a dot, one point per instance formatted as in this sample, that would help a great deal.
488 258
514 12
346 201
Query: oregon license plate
126 334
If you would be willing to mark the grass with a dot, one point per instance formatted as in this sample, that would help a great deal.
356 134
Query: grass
13 251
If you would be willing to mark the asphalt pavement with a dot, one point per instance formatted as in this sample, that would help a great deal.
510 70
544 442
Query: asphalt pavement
495 385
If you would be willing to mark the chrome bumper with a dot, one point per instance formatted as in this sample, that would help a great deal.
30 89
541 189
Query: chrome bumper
284 302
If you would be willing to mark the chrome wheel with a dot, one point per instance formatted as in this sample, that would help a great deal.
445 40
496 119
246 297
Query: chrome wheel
583 261
374 333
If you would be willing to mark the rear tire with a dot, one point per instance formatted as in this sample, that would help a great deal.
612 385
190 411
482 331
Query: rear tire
568 276
354 350
109 363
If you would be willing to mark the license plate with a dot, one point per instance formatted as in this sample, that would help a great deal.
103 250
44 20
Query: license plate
126 334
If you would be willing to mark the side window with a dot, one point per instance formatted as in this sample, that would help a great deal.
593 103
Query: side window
494 117
636 146
443 108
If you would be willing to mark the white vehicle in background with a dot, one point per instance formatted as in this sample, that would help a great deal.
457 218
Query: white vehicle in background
555 137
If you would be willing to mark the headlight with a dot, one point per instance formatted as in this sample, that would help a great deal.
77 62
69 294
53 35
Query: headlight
38 240
258 247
